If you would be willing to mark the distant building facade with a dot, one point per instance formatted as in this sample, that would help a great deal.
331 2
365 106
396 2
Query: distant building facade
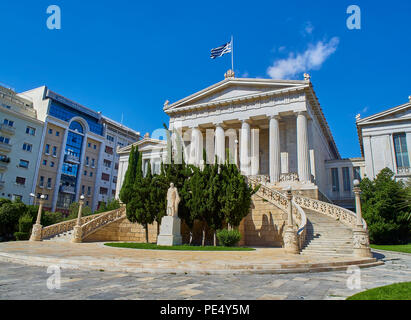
385 140
20 140
53 146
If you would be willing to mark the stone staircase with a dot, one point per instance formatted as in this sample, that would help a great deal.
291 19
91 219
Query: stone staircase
62 237
327 236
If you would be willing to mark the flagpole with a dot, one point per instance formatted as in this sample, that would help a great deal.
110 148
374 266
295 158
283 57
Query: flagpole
232 54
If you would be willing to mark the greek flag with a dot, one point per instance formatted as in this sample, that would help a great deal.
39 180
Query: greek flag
220 51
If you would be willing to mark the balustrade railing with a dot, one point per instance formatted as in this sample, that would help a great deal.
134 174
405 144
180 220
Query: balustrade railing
105 218
281 201
55 229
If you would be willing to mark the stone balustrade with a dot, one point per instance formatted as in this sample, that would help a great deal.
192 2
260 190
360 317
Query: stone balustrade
108 217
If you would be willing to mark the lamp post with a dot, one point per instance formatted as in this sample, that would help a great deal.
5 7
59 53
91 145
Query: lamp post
360 234
290 234
77 235
37 228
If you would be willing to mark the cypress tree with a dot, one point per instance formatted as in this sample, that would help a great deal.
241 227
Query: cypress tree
129 179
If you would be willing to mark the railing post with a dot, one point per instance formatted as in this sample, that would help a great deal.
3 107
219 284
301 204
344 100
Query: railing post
360 234
38 228
290 234
77 234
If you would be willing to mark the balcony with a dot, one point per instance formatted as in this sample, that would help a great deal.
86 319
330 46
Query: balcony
404 171
68 189
69 158
5 147
7 129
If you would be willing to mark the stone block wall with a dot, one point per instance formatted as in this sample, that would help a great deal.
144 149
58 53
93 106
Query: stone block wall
124 230
264 225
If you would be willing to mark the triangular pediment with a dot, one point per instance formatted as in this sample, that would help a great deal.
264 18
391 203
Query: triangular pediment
234 88
144 145
399 113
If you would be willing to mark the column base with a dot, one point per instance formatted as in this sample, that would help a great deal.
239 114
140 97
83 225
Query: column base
77 235
361 243
36 232
291 241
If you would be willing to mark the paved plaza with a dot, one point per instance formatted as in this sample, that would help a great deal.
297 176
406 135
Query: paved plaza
30 282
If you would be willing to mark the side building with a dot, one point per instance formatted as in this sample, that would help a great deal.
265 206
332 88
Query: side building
385 141
74 145
20 139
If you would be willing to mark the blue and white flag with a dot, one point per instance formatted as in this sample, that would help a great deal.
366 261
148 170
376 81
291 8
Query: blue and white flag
220 51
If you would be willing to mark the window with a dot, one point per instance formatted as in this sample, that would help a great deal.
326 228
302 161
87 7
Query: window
107 163
110 138
27 147
89 145
94 147
85 172
47 149
114 179
116 166
357 173
82 189
87 161
109 150
105 177
50 131
5 140
20 181
91 173
52 164
346 179
8 122
88 190
335 180
57 133
31 131
41 183
55 151
24 164
76 126
49 183
92 163
44 162
401 150
103 190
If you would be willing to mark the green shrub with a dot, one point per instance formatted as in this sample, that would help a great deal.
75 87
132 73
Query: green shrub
49 218
25 225
228 238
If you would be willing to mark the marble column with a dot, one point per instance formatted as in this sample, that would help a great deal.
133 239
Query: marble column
275 155
220 144
245 149
196 146
255 151
302 148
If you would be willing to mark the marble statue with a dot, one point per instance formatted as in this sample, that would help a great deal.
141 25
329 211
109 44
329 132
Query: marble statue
173 199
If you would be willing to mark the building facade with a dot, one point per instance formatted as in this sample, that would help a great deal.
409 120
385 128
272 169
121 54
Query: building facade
52 146
20 140
385 140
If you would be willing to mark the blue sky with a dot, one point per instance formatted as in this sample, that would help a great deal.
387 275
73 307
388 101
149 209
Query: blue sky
130 56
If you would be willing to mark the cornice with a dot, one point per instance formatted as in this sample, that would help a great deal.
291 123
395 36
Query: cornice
236 100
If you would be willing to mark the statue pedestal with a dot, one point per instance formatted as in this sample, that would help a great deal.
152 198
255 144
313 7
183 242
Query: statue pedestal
170 233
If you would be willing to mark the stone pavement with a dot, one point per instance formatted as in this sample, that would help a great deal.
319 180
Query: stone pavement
96 256
29 282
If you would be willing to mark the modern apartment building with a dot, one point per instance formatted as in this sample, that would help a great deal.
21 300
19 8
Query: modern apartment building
76 153
20 139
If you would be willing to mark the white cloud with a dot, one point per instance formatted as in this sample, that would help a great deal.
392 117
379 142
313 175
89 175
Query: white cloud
311 59
309 28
